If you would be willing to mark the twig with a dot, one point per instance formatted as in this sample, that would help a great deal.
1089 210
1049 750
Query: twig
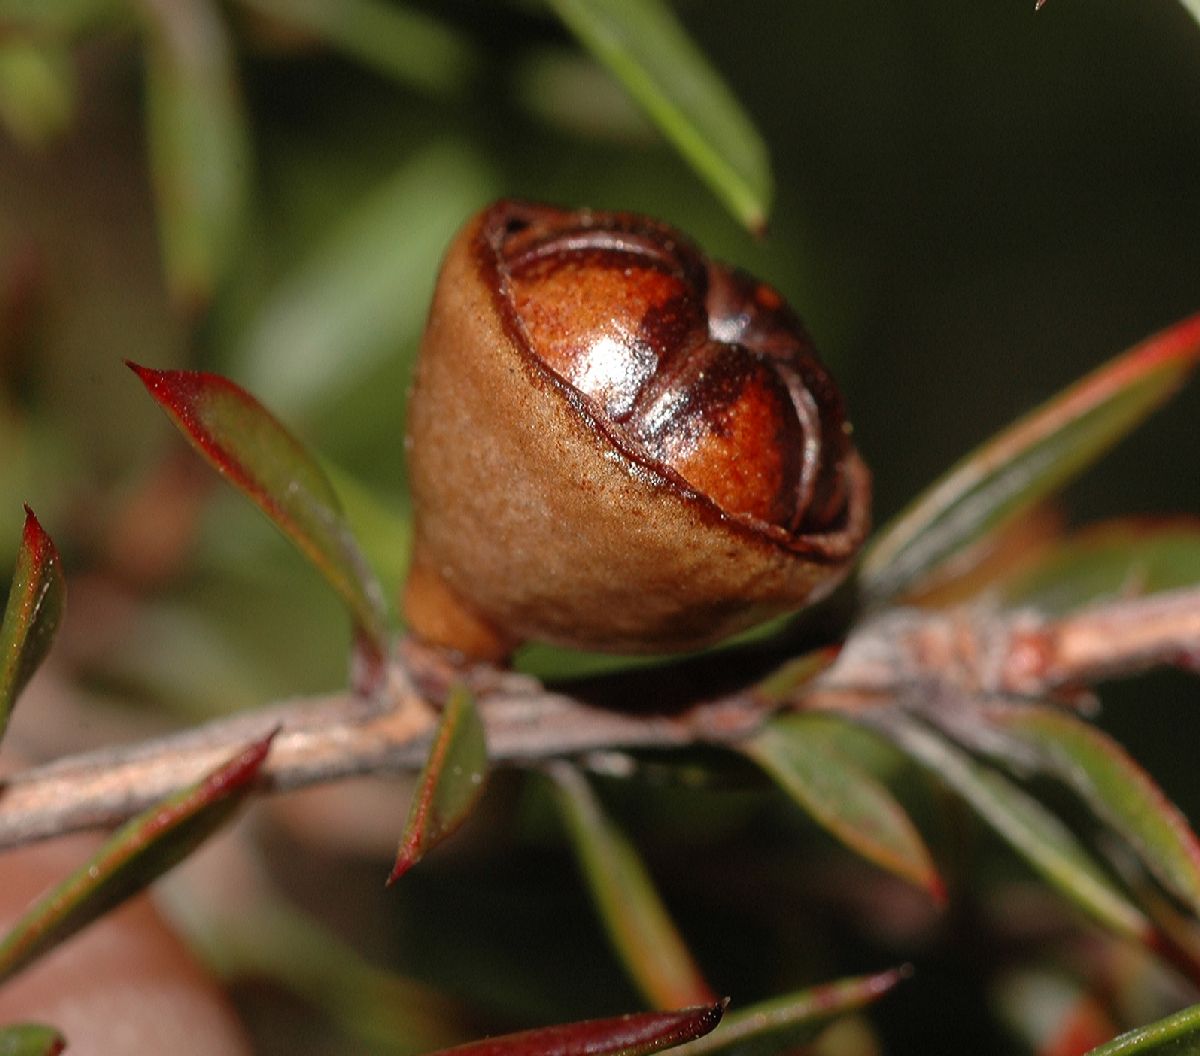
973 652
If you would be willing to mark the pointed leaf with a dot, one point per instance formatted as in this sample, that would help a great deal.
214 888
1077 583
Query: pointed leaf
1118 559
1177 1035
634 1035
450 783
35 607
199 144
30 1039
1032 831
638 923
251 449
1031 458
1114 786
779 1025
782 685
398 41
650 53
802 753
136 855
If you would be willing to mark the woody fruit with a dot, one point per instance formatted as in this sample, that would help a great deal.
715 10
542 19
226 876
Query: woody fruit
616 444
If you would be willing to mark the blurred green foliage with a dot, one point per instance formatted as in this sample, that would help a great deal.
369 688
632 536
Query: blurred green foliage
972 206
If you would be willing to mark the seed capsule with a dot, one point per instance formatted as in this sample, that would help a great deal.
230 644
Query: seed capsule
616 444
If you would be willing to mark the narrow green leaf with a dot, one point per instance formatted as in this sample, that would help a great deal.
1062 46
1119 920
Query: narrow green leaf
1027 461
450 783
136 855
781 1024
250 448
35 607
1113 785
198 141
397 41
362 295
637 922
650 53
37 89
802 753
1177 1035
62 17
30 1039
634 1035
1118 559
782 684
1031 830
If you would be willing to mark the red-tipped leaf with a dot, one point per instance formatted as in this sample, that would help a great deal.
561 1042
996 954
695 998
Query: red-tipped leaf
803 754
637 921
34 610
1028 460
136 855
30 1039
782 1023
450 783
634 1035
254 452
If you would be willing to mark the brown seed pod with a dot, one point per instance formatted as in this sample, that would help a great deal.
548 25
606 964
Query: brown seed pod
616 444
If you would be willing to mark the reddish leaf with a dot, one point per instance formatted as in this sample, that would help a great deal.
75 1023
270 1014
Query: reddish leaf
1027 461
137 854
803 754
35 607
632 1035
779 1025
251 449
638 923
450 784
1115 787
30 1039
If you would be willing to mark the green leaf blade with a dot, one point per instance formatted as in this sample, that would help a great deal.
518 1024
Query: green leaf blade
649 52
251 448
1029 460
1114 786
1177 1035
782 1023
1114 560
801 753
1031 830
30 1039
199 144
34 610
638 923
449 785
136 855
638 1034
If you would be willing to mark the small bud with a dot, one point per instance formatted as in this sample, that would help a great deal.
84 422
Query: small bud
616 444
